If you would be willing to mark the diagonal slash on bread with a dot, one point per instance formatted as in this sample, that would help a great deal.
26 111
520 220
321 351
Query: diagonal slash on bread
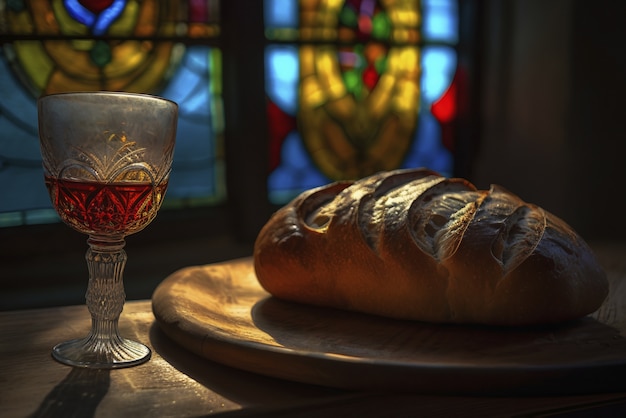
412 244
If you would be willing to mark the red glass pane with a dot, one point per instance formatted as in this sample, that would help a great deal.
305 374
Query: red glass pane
96 6
280 124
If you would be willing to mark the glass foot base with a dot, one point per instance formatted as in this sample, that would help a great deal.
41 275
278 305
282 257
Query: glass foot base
101 354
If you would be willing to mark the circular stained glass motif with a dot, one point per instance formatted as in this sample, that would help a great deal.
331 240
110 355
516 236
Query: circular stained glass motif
86 45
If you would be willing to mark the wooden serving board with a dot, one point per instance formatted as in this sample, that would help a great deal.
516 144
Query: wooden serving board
221 313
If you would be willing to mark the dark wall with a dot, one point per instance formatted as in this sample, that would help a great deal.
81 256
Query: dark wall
552 87
597 127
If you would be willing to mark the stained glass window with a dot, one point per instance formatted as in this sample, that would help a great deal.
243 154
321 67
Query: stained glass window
168 48
357 86
352 86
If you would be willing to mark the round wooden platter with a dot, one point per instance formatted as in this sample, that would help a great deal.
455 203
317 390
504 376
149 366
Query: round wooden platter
221 313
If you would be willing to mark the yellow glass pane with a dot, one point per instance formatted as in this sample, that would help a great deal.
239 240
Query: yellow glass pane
333 6
20 23
405 36
337 144
342 108
61 82
59 18
147 21
378 101
130 19
34 61
328 34
390 147
154 70
406 99
200 30
216 74
311 94
127 57
72 58
403 14
328 72
307 60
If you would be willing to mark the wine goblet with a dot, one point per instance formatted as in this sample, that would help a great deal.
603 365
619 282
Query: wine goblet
107 158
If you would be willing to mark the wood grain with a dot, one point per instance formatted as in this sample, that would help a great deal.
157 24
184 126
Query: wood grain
177 383
221 313
33 384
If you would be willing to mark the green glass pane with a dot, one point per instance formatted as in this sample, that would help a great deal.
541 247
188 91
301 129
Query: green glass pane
348 17
381 26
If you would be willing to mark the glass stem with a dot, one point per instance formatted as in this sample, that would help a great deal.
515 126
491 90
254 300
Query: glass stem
103 347
105 295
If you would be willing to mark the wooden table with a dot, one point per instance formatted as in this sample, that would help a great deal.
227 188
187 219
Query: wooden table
177 383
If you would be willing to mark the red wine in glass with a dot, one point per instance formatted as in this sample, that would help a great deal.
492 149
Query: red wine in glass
99 209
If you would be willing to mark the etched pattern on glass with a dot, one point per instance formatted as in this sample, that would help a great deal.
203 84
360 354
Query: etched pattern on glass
107 158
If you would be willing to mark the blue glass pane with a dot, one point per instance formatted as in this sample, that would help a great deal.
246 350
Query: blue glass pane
98 23
21 173
281 13
197 171
296 173
438 68
427 150
281 76
441 22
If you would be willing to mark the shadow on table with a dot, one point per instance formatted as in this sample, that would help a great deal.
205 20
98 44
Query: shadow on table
78 395
585 355
240 386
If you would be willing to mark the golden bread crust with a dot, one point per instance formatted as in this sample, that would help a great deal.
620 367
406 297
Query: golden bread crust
412 244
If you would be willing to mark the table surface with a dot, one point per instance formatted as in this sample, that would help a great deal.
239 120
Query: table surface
177 383
221 312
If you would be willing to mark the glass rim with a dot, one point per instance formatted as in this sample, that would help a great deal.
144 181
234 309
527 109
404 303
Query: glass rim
68 94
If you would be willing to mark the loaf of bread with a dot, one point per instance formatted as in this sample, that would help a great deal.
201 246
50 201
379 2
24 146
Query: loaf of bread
412 244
